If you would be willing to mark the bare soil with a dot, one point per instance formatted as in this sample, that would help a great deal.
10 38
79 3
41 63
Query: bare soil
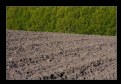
59 56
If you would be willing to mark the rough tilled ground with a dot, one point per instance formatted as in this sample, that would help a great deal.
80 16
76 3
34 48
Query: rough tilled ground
58 56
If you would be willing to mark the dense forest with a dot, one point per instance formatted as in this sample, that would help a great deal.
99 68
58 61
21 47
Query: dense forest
67 19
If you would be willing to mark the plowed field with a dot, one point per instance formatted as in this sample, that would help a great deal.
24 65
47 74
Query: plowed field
59 56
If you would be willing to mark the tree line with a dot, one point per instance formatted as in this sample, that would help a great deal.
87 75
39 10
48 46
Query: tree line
67 19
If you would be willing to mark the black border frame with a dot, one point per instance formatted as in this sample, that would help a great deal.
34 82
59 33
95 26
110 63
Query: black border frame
5 3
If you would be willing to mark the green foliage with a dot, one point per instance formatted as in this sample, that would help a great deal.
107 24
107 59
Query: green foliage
67 19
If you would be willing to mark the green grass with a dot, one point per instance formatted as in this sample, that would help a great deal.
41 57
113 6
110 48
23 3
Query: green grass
99 20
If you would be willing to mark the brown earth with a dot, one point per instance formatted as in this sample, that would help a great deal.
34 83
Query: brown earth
58 56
